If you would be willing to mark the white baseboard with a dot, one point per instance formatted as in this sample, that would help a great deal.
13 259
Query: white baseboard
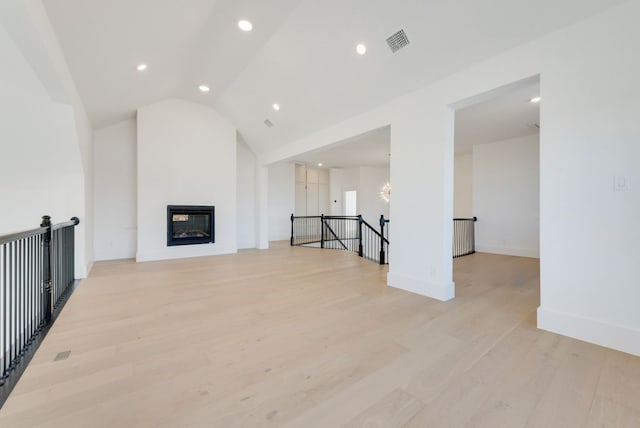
441 292
589 330
83 271
89 267
182 252
520 252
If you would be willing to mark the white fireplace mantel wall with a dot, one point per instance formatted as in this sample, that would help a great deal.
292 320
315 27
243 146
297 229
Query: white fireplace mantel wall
186 154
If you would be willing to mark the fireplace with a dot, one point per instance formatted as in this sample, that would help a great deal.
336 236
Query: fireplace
190 224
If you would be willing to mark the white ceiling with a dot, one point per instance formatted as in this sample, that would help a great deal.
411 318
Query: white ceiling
506 116
368 149
300 54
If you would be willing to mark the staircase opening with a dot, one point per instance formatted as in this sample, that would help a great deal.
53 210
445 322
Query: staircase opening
350 233
342 196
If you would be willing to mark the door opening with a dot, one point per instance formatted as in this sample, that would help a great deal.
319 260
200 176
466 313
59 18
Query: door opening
350 203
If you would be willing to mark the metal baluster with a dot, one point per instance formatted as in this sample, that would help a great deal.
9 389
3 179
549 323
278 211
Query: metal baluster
455 235
12 305
467 237
54 266
381 239
46 270
473 234
5 315
18 280
70 251
30 288
455 238
40 283
22 296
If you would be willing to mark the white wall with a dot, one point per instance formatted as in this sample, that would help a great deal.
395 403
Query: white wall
367 182
590 263
115 192
115 188
335 192
589 233
300 190
45 137
246 196
281 200
370 201
340 181
463 186
186 156
506 189
39 159
54 71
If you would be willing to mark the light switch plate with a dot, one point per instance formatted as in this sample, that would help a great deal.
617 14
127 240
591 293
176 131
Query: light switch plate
620 183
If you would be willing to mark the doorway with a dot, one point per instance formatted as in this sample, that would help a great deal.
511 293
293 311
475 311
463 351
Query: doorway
351 203
497 180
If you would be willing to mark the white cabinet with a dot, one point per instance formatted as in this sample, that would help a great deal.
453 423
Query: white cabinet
312 191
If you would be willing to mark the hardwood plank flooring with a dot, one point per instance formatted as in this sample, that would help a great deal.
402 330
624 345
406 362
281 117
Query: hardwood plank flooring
302 337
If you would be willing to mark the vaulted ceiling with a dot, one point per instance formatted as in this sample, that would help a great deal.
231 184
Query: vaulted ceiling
300 54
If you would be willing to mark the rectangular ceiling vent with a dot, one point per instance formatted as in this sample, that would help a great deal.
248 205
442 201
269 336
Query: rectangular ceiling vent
268 123
397 41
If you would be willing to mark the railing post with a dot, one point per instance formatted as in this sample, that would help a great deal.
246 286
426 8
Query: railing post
473 234
321 230
382 255
292 229
46 270
360 252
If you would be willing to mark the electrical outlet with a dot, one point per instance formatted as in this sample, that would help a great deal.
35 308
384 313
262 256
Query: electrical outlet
620 183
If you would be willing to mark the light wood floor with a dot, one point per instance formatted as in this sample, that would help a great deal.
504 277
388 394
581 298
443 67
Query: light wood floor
303 337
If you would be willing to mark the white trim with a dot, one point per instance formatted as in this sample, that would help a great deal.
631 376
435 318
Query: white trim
441 292
519 252
182 252
89 267
83 271
589 330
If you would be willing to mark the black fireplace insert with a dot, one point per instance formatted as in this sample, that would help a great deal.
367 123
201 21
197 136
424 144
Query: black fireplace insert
190 224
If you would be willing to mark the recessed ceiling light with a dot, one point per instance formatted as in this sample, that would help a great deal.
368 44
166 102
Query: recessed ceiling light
535 100
276 106
245 25
320 164
361 49
204 88
141 67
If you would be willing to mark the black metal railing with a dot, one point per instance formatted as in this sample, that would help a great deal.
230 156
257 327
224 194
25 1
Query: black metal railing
306 230
36 277
340 233
464 238
350 233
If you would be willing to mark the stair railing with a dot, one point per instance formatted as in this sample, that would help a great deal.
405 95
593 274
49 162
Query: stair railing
464 236
36 278
350 233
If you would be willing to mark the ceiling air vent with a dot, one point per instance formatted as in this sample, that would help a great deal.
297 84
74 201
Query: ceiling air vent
268 123
397 41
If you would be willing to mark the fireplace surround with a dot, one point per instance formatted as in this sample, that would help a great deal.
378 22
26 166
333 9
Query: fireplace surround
190 224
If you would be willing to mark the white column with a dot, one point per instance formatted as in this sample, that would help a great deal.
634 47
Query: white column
262 206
